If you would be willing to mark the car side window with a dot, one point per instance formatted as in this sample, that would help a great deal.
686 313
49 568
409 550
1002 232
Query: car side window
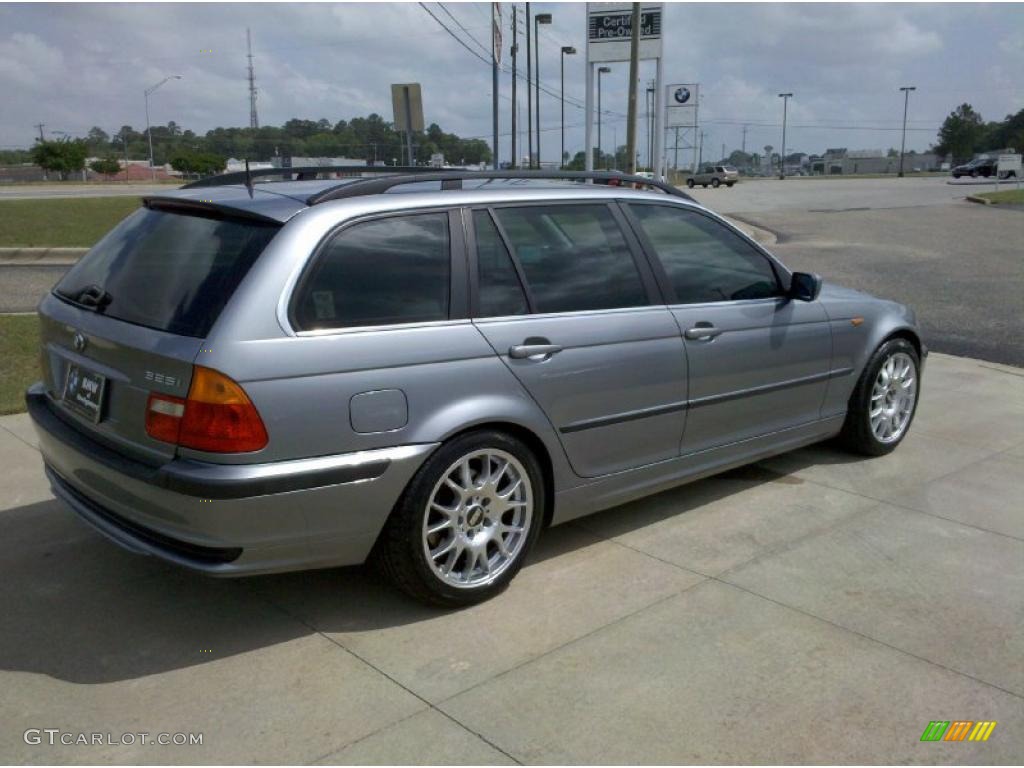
705 261
381 272
500 292
574 257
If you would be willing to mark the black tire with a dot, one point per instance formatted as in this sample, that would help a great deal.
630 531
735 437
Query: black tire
715 183
399 549
956 175
704 185
690 184
857 435
974 174
729 184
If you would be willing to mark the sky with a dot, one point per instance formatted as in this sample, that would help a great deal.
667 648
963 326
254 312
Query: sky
73 66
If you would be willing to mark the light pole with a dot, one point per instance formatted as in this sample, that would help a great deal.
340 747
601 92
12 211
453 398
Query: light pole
782 157
570 51
906 102
600 71
149 133
540 18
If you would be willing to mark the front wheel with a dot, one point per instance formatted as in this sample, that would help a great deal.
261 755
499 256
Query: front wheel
467 520
690 184
884 400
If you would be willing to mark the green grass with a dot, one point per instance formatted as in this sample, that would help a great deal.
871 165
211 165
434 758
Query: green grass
19 350
1013 196
64 222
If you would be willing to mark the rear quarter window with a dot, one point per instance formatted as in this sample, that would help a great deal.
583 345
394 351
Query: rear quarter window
168 270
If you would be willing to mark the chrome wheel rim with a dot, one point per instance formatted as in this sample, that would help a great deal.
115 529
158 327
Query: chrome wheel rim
893 397
478 518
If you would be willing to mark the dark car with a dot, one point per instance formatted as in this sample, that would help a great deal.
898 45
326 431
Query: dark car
982 166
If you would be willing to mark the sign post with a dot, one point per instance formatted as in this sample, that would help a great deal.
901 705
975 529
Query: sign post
609 29
407 103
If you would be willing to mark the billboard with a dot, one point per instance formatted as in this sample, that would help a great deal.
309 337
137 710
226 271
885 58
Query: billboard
610 27
681 105
407 102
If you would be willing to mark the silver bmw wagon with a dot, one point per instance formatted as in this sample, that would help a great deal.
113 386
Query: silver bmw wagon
426 370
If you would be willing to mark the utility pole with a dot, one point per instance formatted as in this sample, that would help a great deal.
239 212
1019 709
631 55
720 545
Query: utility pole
529 92
495 51
540 18
906 101
40 126
744 149
782 155
515 76
700 149
254 121
634 65
600 152
566 50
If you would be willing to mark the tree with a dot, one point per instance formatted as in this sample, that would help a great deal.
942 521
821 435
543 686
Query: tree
63 157
108 166
203 163
97 138
961 134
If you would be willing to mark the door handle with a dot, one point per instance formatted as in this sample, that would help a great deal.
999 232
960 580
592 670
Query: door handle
702 332
525 351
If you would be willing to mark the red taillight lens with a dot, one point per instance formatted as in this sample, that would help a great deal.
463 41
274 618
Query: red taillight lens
217 416
163 417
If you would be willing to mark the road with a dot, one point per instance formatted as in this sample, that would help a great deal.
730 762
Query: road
44 191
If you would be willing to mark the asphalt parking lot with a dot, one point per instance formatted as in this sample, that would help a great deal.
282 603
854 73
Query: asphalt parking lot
813 608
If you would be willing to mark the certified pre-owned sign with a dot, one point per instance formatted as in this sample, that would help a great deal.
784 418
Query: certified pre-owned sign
618 25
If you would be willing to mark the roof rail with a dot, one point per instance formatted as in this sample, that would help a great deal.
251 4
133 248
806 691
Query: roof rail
301 173
452 179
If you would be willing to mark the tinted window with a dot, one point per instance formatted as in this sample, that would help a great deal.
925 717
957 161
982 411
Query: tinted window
392 270
169 271
500 291
574 257
704 260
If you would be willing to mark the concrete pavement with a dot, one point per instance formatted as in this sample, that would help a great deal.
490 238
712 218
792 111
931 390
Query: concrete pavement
814 608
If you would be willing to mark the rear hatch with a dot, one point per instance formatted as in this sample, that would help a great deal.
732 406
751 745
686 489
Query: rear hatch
130 318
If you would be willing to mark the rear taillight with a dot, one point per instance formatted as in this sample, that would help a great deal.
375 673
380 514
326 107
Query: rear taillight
217 416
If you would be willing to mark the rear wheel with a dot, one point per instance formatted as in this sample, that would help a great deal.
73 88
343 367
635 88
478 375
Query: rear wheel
690 184
466 522
884 401
715 183
729 183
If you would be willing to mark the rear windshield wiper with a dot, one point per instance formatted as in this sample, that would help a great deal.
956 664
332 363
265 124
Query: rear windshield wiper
92 297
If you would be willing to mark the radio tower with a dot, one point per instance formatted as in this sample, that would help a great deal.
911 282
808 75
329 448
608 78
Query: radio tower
254 121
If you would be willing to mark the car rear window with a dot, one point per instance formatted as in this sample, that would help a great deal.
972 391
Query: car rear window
167 270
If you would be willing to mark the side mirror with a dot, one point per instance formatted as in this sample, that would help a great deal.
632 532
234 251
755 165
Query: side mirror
805 286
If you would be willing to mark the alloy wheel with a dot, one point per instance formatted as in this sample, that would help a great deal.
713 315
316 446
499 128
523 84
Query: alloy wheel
478 518
893 397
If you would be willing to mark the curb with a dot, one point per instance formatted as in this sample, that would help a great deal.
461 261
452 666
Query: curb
976 199
41 256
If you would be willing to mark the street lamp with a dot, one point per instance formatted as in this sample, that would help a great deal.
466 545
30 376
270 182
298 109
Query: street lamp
149 133
906 101
600 152
567 50
540 18
782 159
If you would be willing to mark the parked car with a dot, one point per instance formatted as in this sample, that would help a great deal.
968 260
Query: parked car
982 166
715 175
307 374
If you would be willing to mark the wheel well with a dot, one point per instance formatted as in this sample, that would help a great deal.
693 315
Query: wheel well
536 445
909 335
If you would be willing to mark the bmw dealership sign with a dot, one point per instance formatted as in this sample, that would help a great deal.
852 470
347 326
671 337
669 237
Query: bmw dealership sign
681 105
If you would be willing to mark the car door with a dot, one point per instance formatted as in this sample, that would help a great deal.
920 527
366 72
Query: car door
758 360
564 296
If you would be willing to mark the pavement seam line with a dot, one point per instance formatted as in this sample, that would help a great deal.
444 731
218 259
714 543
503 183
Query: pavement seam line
858 633
382 673
571 641
20 439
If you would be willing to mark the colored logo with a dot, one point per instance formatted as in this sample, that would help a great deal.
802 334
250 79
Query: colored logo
682 95
958 730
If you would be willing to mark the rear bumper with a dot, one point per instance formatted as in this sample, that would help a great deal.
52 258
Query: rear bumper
226 519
